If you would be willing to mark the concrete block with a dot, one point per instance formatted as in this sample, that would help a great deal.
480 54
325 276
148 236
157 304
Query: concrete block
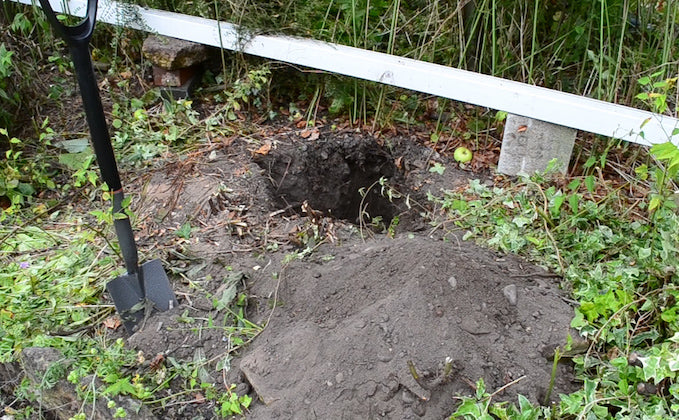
172 53
529 145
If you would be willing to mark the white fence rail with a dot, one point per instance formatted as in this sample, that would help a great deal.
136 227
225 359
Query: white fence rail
535 102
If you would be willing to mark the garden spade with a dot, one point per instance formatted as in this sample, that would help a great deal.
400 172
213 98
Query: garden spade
144 285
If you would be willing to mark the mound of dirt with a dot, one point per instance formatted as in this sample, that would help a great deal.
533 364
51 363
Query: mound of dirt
369 333
378 328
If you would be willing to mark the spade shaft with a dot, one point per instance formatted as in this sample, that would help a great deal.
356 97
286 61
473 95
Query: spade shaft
141 283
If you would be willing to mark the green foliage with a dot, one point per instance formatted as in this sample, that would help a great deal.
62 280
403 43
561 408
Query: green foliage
144 128
23 175
437 168
50 289
244 91
19 57
620 266
580 47
656 91
231 403
480 407
8 99
142 131
41 294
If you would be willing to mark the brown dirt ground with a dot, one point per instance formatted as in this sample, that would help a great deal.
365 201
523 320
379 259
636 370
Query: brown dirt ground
345 327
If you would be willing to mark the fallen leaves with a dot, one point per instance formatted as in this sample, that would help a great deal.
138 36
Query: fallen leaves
112 323
398 162
310 134
263 149
157 362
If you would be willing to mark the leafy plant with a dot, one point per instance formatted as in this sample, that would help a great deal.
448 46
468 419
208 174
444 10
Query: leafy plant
480 407
231 403
619 265
244 91
8 99
656 91
22 175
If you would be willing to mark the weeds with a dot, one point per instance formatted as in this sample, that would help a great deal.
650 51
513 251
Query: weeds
55 258
50 286
7 98
22 175
617 253
615 250
596 51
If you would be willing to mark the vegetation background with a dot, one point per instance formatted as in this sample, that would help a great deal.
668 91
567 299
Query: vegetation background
609 228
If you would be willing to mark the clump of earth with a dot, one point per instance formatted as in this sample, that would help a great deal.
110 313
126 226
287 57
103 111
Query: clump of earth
359 320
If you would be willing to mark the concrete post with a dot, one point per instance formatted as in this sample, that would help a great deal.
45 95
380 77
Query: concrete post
529 145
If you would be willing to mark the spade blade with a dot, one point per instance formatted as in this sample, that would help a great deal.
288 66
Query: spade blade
129 298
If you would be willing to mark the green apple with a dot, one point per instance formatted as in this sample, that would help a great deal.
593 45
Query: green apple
462 155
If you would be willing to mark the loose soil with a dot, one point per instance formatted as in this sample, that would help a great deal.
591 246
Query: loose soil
363 324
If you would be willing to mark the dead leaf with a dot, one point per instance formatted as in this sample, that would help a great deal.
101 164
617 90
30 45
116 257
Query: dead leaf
522 128
226 141
399 162
263 150
313 134
112 323
157 362
301 124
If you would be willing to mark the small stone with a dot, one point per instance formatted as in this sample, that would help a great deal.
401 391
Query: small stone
243 388
452 281
510 293
392 386
646 388
419 409
407 397
470 325
634 360
339 377
371 389
385 357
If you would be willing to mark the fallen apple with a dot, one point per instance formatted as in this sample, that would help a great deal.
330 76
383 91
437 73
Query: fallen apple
462 155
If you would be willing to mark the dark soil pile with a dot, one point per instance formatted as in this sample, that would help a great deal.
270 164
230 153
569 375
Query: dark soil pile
379 327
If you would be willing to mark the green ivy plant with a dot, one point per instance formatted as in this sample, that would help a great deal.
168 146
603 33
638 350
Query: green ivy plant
618 259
